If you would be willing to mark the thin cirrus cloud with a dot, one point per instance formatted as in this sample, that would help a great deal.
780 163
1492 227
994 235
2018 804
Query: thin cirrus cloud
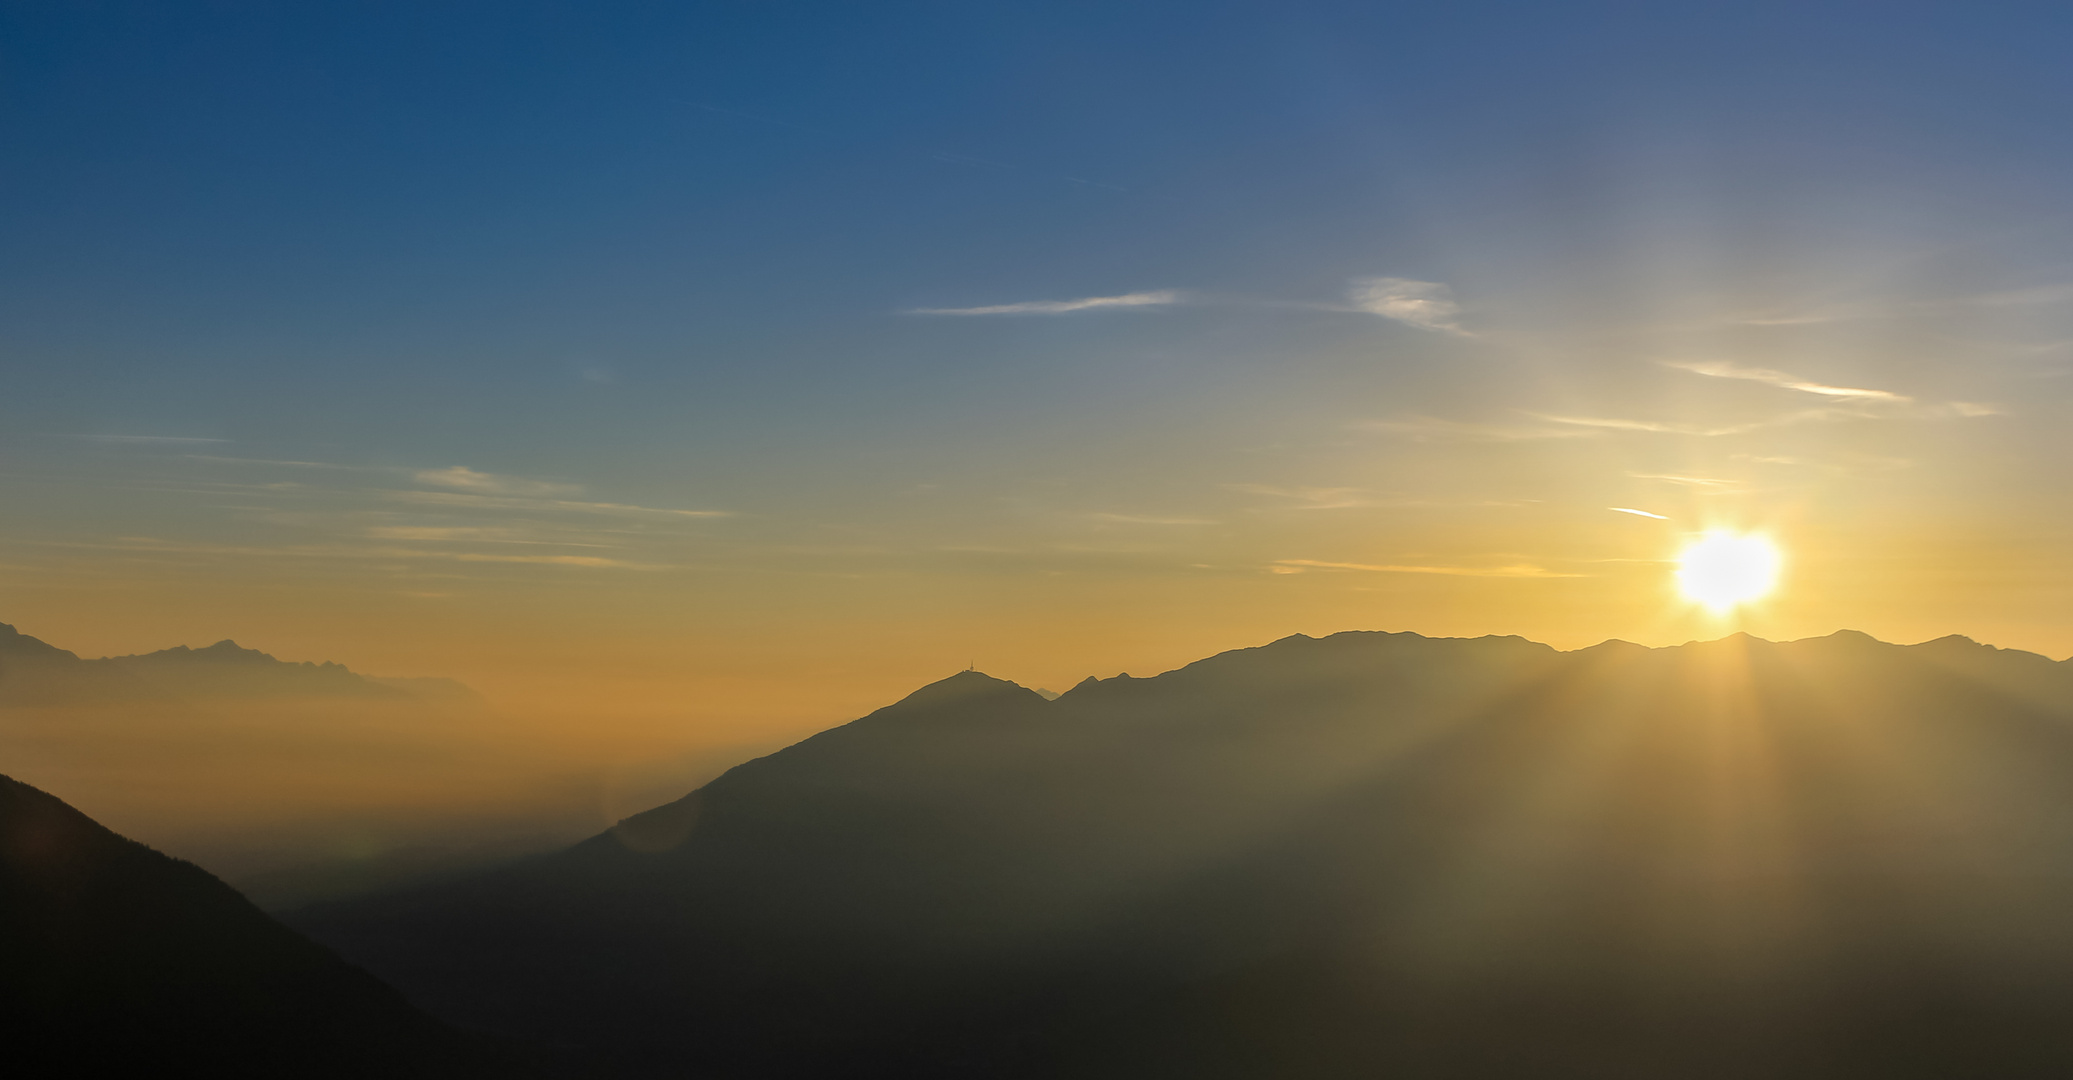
1721 369
463 478
1688 481
465 500
1866 397
1434 429
1636 513
1670 427
1127 301
1426 305
1148 519
470 534
475 490
1520 570
1308 498
339 551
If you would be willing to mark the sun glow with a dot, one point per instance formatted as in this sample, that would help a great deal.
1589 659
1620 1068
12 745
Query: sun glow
1723 569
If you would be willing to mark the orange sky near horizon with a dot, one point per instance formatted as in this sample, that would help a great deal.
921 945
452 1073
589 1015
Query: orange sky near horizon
707 386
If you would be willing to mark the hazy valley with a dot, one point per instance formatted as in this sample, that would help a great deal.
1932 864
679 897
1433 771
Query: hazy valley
1333 857
302 781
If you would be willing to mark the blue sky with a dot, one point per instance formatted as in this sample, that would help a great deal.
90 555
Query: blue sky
670 257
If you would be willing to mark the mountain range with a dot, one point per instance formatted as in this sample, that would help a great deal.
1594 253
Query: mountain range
116 960
35 673
1364 854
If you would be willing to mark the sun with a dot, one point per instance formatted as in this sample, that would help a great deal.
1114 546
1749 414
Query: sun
1723 569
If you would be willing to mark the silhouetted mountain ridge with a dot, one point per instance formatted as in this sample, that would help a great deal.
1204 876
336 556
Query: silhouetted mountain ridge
33 672
119 958
1362 854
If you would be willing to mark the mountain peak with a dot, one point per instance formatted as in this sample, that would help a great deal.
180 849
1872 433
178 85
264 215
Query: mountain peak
223 650
42 673
964 686
20 644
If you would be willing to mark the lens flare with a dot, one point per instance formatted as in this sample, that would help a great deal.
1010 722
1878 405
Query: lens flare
1723 569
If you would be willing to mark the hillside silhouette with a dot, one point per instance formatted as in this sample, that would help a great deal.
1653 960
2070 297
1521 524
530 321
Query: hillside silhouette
35 673
1365 854
116 960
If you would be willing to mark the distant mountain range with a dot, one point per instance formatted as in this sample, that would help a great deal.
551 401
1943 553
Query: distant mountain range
1363 855
33 672
118 961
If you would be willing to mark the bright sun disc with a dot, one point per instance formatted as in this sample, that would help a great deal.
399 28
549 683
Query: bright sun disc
1722 569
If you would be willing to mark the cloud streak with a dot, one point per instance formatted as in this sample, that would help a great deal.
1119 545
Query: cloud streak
1309 498
1669 427
337 551
463 478
1426 305
473 535
1298 566
1688 481
1145 519
1433 429
1127 301
1721 369
493 502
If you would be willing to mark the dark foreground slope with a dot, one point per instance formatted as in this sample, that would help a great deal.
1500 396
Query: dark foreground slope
116 960
1369 854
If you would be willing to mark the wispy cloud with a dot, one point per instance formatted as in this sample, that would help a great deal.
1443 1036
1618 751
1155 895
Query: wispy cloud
537 560
1869 403
147 545
1721 369
1298 566
1688 481
1671 427
287 464
1146 519
463 478
1812 316
1433 429
480 490
466 534
1636 513
1427 305
1309 498
493 502
1348 498
1136 300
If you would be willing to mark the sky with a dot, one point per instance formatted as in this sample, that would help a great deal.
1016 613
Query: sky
752 364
